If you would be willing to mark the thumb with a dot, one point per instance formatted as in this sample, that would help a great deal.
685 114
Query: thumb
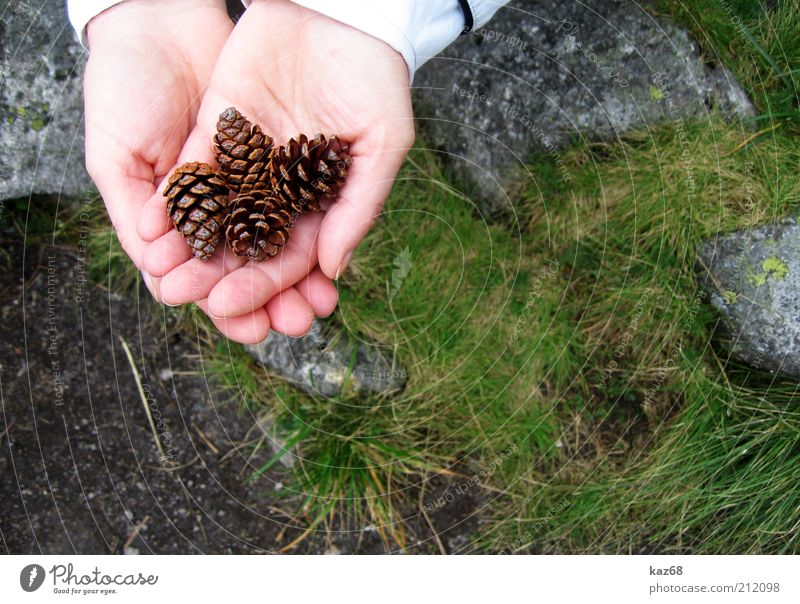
121 194
359 204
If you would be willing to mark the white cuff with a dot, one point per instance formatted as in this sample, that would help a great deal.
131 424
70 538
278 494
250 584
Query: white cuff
83 11
417 29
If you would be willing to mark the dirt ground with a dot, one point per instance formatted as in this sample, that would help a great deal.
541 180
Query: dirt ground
80 470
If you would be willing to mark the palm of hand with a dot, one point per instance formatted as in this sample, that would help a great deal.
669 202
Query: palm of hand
142 92
292 71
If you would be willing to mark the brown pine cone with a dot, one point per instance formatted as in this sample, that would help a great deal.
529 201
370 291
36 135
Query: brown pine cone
196 201
302 172
241 149
258 225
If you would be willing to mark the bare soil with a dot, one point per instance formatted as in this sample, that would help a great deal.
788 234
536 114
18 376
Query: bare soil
80 470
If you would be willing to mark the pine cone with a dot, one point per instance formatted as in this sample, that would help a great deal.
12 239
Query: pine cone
196 202
304 171
242 150
258 225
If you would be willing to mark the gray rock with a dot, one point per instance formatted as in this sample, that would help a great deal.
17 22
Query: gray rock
41 101
325 362
753 278
545 73
278 440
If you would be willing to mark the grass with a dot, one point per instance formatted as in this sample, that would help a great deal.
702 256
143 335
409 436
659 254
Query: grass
761 46
566 371
667 413
715 469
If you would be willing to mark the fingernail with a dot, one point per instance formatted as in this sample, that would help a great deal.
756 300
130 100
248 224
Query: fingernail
213 316
343 264
148 283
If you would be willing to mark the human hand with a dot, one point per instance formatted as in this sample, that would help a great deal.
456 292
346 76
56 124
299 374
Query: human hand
143 86
291 70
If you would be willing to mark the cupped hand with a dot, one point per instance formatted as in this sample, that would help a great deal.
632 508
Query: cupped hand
149 65
291 70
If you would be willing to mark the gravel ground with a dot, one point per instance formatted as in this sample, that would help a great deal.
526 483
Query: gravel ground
80 470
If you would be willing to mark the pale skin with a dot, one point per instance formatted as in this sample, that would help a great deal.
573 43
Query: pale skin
160 73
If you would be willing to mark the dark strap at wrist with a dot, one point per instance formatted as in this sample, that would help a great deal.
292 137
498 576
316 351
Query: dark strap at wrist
469 20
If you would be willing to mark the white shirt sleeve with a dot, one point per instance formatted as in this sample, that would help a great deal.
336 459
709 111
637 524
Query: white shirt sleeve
417 29
82 11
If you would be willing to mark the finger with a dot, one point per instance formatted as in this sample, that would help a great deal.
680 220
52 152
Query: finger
289 313
250 328
357 207
154 221
122 195
166 253
320 293
151 283
256 282
193 280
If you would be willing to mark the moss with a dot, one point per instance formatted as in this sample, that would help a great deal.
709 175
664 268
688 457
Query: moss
775 268
772 267
655 94
756 279
730 297
37 118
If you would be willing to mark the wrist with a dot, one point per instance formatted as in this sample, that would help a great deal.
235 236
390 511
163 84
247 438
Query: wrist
264 14
116 20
